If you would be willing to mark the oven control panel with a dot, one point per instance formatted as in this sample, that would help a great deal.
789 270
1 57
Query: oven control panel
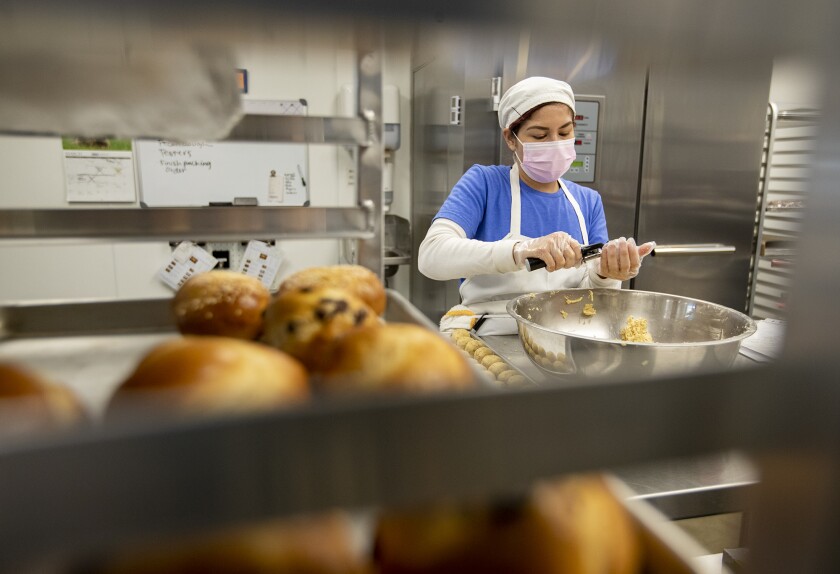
586 140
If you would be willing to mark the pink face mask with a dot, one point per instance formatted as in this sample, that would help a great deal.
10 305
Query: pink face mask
547 161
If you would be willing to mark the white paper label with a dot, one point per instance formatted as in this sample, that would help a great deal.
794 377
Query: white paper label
261 261
188 259
276 189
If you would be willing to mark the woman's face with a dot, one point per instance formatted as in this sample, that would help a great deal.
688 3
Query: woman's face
551 122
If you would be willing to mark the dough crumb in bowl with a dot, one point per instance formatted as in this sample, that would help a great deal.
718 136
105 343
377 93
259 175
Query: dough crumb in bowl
636 331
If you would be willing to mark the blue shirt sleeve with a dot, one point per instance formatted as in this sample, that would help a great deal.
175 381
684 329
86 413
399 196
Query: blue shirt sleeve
467 201
597 223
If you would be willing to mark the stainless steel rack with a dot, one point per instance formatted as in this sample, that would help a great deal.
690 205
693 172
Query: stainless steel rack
104 485
363 222
787 159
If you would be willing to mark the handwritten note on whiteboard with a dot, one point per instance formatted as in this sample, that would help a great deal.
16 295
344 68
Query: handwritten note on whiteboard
198 174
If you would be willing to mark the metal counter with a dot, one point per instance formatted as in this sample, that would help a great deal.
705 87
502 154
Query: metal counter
681 488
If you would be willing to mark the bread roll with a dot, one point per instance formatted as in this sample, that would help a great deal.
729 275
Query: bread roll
28 402
221 302
359 281
321 544
303 323
395 357
568 526
201 375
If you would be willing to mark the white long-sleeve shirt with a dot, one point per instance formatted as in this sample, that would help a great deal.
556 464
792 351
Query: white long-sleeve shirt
446 253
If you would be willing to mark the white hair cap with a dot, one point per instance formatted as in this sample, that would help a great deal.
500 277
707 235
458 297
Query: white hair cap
529 93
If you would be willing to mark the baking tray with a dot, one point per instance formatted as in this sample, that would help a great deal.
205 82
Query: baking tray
665 547
488 378
92 346
353 454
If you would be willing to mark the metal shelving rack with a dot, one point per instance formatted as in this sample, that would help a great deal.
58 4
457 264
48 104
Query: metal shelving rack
363 222
102 486
785 175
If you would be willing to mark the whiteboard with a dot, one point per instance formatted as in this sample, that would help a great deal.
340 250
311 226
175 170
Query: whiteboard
199 174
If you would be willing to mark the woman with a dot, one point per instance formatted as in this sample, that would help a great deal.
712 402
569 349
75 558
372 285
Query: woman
496 217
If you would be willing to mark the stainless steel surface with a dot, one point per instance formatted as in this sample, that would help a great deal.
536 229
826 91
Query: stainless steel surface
253 467
770 136
449 61
509 347
93 364
700 171
397 241
691 487
790 148
396 259
803 115
74 318
87 318
680 488
798 508
301 129
369 97
688 334
400 310
693 249
273 128
193 223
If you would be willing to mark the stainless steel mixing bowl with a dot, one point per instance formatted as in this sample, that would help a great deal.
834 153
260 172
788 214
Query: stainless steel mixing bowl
688 334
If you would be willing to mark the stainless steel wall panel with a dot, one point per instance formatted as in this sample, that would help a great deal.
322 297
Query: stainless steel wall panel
451 65
701 161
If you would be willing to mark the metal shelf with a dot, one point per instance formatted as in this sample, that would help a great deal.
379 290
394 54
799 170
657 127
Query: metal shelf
353 454
194 223
301 129
364 222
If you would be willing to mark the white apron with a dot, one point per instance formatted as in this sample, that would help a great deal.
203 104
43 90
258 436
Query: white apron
489 294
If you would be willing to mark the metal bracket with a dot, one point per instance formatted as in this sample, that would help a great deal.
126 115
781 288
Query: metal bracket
496 92
455 111
369 208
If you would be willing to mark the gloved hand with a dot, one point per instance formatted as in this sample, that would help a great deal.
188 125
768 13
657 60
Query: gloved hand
559 250
621 258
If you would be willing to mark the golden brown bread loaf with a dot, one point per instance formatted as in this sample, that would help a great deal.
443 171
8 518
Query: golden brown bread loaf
221 302
308 545
359 281
304 323
395 357
202 375
29 402
568 526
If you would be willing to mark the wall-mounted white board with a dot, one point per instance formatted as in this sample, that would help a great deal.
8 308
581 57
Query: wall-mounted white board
203 173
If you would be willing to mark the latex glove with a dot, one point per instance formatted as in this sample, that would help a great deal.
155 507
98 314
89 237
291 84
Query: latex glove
621 258
559 250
